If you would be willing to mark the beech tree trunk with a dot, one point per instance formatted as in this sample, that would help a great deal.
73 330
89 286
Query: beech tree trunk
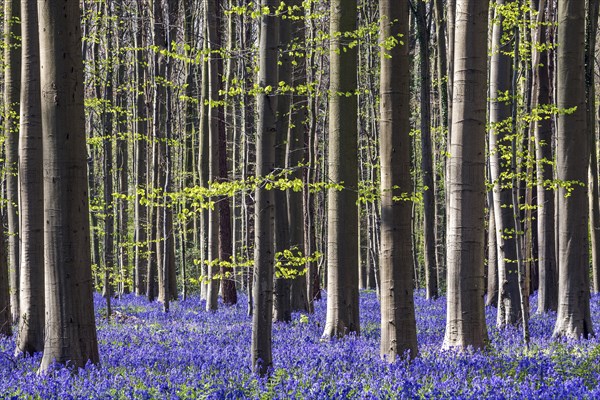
342 211
141 159
572 162
429 217
465 324
213 10
70 330
31 291
548 279
492 258
264 210
398 326
500 166
294 158
593 197
12 87
282 310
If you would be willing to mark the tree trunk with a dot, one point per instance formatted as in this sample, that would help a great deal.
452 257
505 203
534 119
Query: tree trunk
282 310
122 181
141 159
501 170
492 259
203 166
398 326
548 280
294 159
12 84
70 330
572 162
342 211
429 217
465 323
213 10
107 146
264 216
594 205
31 295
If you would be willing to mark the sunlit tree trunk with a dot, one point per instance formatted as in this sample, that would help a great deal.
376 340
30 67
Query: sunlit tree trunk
492 258
31 320
593 198
12 84
70 330
572 162
465 321
342 210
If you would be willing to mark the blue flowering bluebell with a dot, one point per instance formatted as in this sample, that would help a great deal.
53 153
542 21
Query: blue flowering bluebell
189 354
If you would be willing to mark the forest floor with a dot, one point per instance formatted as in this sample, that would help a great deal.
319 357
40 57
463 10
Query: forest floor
191 353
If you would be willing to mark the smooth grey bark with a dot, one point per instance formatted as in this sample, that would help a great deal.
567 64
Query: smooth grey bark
500 135
572 160
12 82
264 209
429 216
465 321
492 258
594 204
342 211
542 129
70 333
31 289
398 326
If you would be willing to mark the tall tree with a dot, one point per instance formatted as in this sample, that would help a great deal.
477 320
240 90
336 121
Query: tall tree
398 327
141 157
594 203
542 129
342 211
429 217
264 217
215 117
500 136
31 291
12 82
465 321
107 165
572 158
70 330
282 301
228 289
294 158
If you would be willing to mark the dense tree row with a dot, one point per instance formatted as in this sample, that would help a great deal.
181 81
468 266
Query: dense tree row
286 149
